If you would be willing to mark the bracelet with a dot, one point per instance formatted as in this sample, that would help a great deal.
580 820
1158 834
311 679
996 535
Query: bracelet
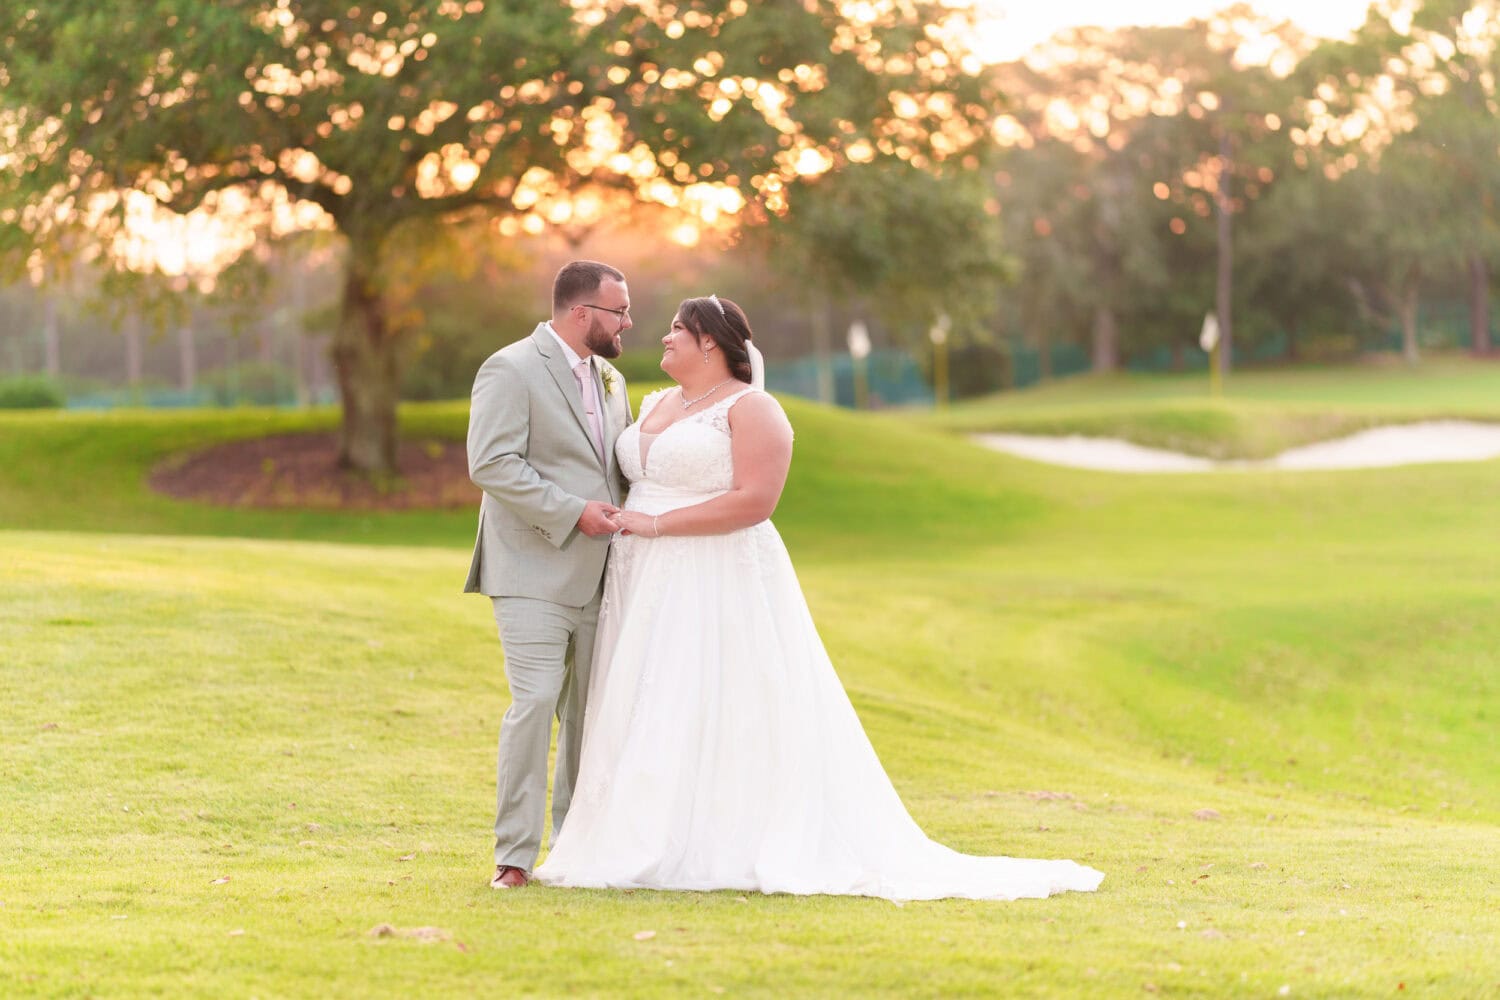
655 527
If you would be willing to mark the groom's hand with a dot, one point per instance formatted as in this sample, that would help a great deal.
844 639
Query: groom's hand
598 519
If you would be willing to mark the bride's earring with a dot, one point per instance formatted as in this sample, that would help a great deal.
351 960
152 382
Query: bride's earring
705 357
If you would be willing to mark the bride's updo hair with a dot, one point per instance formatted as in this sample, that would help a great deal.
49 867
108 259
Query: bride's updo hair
727 327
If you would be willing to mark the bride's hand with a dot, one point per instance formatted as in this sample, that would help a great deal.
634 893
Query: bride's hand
633 522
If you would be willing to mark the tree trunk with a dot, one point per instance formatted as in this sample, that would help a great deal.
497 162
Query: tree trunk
1106 340
1043 352
1224 289
822 331
133 350
1406 311
187 357
299 332
51 339
1179 356
9 333
365 359
1479 304
1292 352
300 390
320 379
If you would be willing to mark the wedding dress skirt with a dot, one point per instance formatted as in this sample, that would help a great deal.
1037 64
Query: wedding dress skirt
720 750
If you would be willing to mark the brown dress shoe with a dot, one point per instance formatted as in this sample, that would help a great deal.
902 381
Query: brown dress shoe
509 877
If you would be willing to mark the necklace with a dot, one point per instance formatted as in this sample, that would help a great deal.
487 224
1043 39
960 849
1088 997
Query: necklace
692 402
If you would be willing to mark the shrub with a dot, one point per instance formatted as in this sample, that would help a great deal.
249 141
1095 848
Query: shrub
30 392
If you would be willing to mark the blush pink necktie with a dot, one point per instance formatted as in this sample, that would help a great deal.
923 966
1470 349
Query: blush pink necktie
589 398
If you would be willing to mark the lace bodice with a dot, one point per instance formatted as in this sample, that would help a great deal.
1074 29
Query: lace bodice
692 456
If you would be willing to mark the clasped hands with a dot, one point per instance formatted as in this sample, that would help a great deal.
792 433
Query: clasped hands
600 519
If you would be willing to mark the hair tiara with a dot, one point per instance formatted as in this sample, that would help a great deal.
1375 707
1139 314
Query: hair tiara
717 304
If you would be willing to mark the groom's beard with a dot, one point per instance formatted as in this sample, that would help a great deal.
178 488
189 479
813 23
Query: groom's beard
602 343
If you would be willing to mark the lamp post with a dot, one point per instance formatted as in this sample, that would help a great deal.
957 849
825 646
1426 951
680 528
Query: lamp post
939 336
859 351
1208 339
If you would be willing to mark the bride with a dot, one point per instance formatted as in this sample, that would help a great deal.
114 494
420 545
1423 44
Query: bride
719 749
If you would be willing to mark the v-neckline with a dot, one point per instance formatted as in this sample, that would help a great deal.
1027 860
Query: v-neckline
646 447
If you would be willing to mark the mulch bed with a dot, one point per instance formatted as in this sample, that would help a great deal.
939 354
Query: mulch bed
300 470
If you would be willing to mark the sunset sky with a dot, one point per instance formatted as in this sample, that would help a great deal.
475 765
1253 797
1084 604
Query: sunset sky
1010 27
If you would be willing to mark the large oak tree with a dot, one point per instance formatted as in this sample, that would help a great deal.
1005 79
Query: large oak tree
391 115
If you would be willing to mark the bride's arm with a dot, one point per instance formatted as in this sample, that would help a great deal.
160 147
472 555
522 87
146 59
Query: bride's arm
762 449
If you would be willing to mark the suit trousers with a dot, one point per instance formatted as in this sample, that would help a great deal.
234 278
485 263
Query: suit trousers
548 650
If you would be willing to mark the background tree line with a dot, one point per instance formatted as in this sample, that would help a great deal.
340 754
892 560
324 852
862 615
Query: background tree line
1312 195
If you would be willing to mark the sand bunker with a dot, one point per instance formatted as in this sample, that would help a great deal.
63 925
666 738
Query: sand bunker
1403 444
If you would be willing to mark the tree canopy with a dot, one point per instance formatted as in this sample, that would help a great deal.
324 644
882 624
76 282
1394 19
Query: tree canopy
388 115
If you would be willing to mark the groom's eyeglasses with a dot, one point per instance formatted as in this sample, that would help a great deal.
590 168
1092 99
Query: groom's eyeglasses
620 314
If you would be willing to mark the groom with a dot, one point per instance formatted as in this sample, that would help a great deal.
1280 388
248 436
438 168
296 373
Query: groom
542 426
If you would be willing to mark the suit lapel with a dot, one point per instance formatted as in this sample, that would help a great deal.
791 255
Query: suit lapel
567 384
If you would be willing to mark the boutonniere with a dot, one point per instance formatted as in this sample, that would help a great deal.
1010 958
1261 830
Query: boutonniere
607 374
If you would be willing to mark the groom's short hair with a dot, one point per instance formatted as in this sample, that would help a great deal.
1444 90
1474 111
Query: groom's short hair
578 279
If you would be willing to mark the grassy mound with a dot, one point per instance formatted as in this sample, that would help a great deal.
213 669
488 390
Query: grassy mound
1264 705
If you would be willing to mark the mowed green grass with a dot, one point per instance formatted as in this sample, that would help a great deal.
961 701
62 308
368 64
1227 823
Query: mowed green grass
1261 412
1051 663
87 471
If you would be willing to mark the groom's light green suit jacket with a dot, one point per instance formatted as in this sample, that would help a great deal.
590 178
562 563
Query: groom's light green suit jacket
531 451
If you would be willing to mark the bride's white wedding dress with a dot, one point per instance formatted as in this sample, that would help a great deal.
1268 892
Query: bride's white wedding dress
720 750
